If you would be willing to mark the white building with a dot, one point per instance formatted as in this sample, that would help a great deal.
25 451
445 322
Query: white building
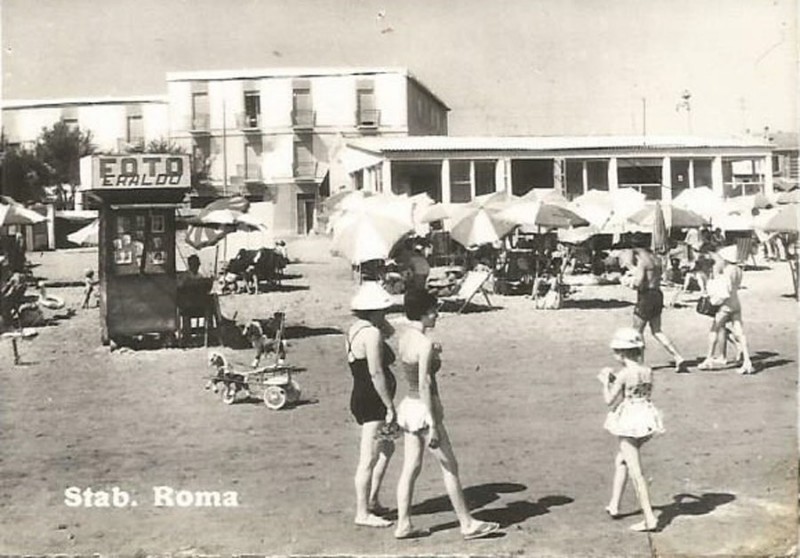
456 169
115 122
278 134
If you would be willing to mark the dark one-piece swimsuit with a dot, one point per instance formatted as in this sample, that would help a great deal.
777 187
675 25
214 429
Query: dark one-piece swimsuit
365 403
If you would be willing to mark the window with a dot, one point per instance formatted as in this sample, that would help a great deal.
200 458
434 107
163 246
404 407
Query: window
302 107
135 130
200 110
574 186
304 161
460 183
484 177
252 107
71 123
702 173
597 175
643 175
366 105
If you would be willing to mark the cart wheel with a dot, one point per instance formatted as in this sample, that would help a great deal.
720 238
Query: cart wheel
229 393
274 397
292 392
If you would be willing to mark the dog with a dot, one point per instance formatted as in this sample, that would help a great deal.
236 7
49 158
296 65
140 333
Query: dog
262 337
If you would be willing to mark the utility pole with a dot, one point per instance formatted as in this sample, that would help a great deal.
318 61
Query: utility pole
687 106
644 117
224 151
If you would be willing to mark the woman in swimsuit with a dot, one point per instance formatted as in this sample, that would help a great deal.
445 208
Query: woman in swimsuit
633 419
420 415
369 358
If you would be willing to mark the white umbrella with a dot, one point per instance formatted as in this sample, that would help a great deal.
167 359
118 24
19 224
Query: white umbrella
86 236
361 236
14 213
702 200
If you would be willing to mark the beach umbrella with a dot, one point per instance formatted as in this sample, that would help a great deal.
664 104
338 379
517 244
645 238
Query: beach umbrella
550 196
219 219
784 219
660 236
788 197
702 200
541 214
361 236
595 206
577 235
86 236
472 226
674 217
390 206
14 213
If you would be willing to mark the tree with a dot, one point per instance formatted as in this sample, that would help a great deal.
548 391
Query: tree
160 145
22 175
60 148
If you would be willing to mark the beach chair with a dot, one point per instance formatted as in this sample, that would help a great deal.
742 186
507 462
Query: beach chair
744 250
474 282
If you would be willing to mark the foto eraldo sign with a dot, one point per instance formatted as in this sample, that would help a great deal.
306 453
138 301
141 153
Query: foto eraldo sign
149 170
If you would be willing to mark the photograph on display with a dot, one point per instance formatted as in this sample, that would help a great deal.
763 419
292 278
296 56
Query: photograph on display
415 278
157 223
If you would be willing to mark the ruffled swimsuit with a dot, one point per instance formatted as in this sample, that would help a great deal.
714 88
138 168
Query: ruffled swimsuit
412 413
635 416
365 403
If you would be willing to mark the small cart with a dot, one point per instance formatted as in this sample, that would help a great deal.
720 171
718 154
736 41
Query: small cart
274 383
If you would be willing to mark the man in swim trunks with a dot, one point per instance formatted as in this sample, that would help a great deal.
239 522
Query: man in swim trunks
650 299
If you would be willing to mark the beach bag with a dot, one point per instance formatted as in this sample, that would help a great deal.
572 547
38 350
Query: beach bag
705 307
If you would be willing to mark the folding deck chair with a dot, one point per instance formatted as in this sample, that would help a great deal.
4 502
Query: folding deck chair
474 282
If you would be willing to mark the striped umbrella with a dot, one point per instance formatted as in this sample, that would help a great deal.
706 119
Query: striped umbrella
217 220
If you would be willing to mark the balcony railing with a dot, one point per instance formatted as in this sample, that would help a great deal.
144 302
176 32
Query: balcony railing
304 118
248 122
368 118
305 170
249 173
200 123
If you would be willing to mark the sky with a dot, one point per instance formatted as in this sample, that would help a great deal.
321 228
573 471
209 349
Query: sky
504 67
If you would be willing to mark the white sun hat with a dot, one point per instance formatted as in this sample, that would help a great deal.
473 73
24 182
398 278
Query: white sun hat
627 338
729 253
371 296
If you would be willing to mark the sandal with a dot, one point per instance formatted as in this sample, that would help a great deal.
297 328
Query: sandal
709 364
374 521
747 369
413 534
642 527
483 529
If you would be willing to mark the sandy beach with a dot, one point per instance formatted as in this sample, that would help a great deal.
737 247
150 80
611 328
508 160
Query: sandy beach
523 409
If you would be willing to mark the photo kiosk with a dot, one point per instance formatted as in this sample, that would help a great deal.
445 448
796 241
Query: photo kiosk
136 196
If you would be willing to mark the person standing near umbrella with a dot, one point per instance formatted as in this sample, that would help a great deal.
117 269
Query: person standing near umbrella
649 298
725 290
369 358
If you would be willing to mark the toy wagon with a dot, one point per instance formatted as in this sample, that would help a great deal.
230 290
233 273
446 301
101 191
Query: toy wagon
273 383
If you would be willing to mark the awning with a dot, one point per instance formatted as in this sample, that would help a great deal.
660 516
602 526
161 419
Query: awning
356 159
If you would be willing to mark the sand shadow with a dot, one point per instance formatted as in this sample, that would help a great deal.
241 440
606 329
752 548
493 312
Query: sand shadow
301 331
761 360
290 276
254 399
476 496
595 304
272 288
790 295
520 510
689 504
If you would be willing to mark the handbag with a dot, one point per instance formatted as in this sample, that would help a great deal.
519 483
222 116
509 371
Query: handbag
705 307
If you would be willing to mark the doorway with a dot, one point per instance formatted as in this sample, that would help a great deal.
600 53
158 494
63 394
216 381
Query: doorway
306 213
